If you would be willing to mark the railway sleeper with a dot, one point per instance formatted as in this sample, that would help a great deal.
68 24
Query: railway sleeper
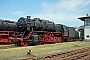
72 55
77 57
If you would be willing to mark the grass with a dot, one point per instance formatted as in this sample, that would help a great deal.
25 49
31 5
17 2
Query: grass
21 52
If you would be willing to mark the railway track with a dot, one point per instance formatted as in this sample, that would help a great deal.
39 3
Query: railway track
77 54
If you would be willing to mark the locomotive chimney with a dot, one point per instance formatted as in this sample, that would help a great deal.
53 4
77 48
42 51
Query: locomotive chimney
28 17
86 15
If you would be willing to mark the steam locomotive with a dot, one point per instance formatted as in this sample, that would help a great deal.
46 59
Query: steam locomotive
7 25
27 31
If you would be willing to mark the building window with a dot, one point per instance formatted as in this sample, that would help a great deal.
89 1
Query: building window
87 22
87 36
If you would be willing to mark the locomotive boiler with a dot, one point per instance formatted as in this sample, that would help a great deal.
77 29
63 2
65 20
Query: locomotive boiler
27 24
7 25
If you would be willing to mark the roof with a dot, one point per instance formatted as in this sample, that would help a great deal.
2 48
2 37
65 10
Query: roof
83 18
81 28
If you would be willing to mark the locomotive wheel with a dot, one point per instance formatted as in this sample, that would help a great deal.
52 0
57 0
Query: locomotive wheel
25 43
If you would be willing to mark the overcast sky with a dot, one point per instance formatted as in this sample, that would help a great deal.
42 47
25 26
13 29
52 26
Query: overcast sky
60 11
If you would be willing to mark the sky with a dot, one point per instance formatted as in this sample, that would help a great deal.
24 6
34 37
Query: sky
64 12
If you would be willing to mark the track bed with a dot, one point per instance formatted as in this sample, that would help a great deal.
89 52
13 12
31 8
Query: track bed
7 46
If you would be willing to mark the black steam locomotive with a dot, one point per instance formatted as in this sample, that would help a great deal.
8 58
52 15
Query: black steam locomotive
38 30
28 24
